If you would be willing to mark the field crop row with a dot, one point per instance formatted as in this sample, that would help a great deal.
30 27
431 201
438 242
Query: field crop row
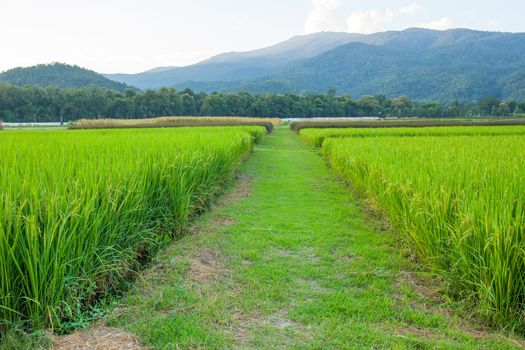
167 122
459 203
81 210
317 136
400 123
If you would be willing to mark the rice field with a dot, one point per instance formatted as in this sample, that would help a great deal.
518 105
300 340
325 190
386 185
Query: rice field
317 136
402 123
457 201
81 210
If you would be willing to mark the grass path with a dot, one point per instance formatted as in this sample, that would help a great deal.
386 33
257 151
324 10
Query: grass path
288 259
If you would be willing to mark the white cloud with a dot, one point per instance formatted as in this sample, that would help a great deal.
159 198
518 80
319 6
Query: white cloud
367 22
320 18
440 24
411 9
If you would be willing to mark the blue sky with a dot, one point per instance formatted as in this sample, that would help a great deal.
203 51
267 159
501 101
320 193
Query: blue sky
136 35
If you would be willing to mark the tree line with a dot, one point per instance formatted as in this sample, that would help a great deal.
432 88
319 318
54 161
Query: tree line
51 104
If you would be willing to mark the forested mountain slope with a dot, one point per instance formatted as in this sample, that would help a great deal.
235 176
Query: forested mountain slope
58 75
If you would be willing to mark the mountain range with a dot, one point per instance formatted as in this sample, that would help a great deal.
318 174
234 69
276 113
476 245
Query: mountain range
423 64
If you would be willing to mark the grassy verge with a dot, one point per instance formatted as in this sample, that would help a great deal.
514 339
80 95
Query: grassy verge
290 260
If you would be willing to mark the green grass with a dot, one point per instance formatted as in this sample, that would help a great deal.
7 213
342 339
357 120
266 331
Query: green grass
289 260
80 211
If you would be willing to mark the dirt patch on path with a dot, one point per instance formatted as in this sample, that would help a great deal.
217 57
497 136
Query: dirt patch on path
429 288
98 338
244 326
243 188
205 266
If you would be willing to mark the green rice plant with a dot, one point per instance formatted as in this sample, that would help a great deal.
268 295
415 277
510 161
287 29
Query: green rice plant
81 210
459 202
317 136
401 123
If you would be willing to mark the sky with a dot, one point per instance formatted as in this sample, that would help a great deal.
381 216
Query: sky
129 36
